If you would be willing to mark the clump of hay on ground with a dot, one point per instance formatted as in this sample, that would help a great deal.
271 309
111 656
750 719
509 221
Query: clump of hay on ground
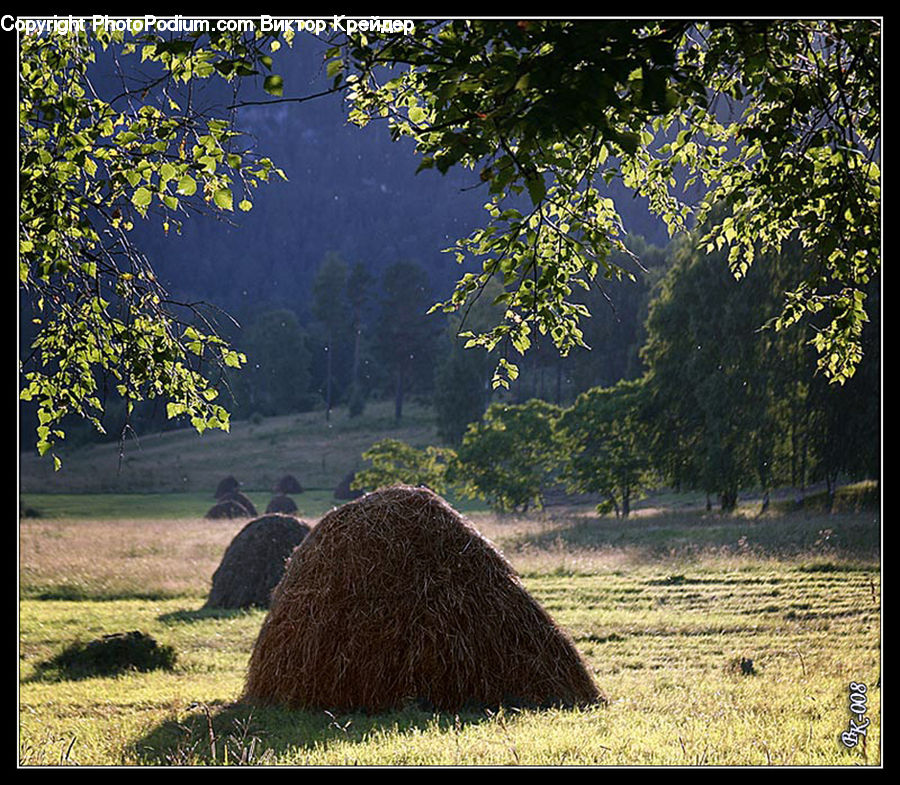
228 508
344 491
112 654
254 562
227 485
288 484
282 503
396 597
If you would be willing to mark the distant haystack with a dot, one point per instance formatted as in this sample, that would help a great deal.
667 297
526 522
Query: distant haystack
226 486
396 597
288 484
343 492
240 498
282 503
228 508
254 562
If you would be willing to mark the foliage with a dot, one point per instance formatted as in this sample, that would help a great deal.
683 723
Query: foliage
395 462
276 377
779 120
507 457
94 157
731 405
607 444
405 335
328 292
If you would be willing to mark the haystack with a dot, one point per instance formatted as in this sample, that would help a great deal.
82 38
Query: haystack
254 562
343 491
396 597
227 485
228 508
288 484
281 503
244 501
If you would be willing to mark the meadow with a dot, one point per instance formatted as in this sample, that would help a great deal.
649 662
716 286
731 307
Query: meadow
664 607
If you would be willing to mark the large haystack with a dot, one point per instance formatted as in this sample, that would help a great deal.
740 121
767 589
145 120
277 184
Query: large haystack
254 562
282 503
226 485
288 484
396 597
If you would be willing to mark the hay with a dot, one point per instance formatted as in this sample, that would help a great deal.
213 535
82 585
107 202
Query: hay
282 503
396 597
111 655
288 484
254 562
228 509
240 498
227 485
343 492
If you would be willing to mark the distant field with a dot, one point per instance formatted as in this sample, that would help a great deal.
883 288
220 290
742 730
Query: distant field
664 608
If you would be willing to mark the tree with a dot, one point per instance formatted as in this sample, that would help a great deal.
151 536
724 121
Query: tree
779 119
359 282
395 462
405 335
711 374
93 158
607 444
508 455
276 377
329 288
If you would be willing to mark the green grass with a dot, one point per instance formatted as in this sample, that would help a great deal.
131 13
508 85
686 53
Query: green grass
318 452
663 608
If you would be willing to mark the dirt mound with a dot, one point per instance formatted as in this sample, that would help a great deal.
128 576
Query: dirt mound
397 597
254 562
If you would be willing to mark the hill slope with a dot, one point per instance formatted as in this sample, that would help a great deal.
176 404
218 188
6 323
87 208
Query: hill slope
317 452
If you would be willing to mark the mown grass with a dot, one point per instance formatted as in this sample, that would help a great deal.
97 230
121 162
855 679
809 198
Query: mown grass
664 608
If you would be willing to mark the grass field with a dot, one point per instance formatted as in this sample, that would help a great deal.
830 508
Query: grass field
664 608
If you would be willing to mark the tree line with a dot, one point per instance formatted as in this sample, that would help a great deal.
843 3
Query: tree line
720 404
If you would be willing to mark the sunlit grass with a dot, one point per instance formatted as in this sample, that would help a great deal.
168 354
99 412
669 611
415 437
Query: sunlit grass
664 616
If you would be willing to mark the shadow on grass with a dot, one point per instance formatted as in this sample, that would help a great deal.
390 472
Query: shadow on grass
835 536
204 614
238 733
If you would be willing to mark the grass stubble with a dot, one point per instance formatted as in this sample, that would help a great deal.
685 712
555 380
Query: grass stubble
664 608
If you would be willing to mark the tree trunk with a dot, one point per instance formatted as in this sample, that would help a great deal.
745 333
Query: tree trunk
398 396
328 354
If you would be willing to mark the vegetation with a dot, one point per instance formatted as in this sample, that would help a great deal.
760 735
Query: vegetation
552 108
520 103
506 457
664 609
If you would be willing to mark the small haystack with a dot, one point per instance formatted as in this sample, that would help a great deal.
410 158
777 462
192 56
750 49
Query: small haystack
254 562
343 492
282 503
396 597
226 486
240 498
288 484
228 509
